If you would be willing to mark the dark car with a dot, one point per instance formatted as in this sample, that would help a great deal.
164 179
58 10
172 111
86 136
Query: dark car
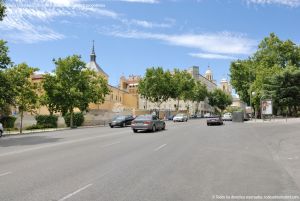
170 117
121 121
148 123
214 121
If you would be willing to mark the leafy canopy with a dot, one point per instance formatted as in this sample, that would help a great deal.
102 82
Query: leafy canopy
2 10
156 85
219 99
73 86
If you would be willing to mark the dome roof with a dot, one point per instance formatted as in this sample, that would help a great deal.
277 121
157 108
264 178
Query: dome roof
208 71
224 80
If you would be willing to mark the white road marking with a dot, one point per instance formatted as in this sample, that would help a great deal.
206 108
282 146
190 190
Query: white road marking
5 173
75 192
111 144
160 147
59 143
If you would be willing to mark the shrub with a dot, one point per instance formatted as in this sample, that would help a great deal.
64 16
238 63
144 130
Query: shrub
78 119
8 122
46 121
35 126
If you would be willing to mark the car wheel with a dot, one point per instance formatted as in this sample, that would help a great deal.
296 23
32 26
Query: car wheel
208 124
111 126
153 128
124 124
164 127
134 130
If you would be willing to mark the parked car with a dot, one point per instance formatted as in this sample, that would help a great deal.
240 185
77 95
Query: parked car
121 121
147 123
1 130
180 117
214 121
227 116
170 117
207 115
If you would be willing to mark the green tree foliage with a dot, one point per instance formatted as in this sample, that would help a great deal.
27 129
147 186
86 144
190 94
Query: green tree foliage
25 96
271 58
156 86
199 93
4 58
73 86
6 86
219 99
182 86
285 89
2 10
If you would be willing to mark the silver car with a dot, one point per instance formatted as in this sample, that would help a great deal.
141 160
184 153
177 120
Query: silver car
180 117
1 130
147 123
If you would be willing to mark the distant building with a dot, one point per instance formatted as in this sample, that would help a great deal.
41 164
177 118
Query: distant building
225 86
171 104
120 99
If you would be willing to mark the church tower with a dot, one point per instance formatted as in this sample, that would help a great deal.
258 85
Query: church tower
209 75
225 86
92 65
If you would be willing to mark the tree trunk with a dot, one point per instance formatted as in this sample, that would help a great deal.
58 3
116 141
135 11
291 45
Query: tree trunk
197 108
21 124
71 119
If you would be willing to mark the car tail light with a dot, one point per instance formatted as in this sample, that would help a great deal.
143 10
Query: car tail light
147 122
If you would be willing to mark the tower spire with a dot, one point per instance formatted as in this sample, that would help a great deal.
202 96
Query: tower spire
93 55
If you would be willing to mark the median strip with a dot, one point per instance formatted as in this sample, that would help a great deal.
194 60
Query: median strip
75 192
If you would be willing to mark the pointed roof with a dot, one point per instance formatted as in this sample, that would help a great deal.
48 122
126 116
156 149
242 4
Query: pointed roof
93 64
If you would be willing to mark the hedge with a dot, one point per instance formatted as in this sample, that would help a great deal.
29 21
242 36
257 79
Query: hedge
46 121
78 119
8 122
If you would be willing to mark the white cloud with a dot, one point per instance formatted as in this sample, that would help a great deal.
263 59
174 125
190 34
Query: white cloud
290 3
141 1
29 20
212 56
213 43
147 24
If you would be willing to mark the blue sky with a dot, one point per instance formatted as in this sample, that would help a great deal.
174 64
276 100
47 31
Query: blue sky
131 35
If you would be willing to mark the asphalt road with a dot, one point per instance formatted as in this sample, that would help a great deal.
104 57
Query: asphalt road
187 162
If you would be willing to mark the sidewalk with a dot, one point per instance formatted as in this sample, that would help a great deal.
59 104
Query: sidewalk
276 120
17 132
25 132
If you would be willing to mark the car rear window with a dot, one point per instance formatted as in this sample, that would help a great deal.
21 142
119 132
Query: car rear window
144 117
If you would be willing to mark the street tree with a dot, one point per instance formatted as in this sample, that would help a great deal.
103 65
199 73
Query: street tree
4 58
285 89
25 91
72 86
219 100
272 56
199 93
6 91
2 10
156 86
182 86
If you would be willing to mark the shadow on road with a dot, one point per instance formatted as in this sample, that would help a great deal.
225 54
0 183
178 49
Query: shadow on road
30 140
